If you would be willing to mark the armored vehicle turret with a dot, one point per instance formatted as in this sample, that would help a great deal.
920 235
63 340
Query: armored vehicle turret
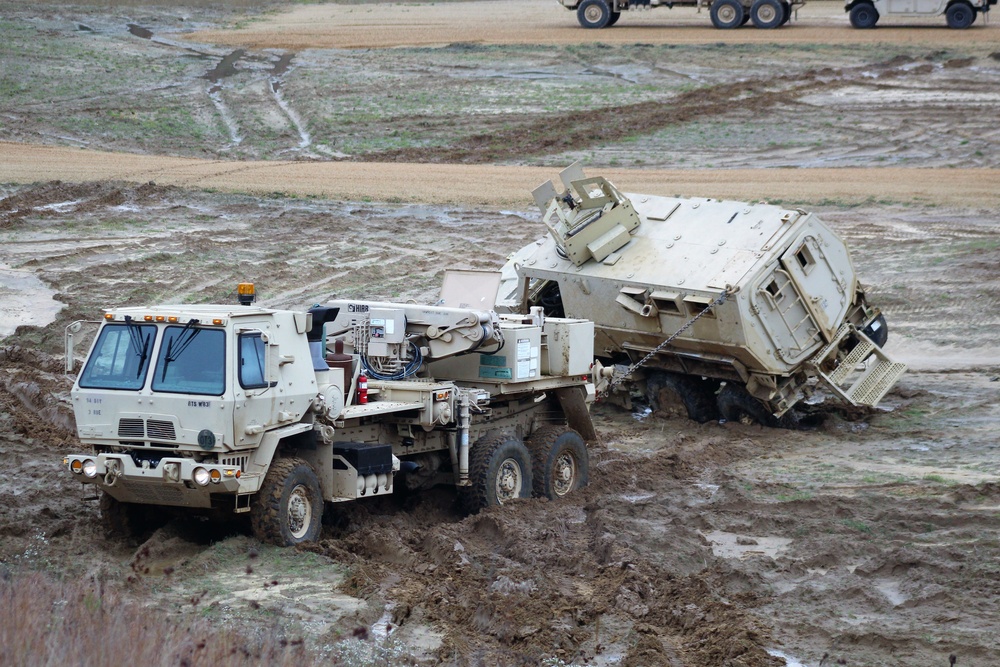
735 310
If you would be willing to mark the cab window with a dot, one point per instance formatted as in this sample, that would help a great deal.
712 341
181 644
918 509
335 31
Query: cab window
191 360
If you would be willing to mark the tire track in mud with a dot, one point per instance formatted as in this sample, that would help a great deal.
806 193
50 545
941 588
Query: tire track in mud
578 130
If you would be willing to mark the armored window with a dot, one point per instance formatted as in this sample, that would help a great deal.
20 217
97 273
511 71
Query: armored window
120 358
805 258
191 361
666 302
697 304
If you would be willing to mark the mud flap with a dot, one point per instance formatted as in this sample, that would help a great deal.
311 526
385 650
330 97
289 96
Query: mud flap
573 401
865 375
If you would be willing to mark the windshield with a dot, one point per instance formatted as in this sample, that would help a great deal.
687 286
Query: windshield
191 361
120 358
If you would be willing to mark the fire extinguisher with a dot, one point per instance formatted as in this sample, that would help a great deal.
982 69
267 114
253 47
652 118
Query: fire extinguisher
362 390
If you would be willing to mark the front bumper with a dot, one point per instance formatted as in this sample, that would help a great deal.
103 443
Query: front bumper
171 481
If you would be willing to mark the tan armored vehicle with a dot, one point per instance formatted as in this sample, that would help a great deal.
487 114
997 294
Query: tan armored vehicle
698 292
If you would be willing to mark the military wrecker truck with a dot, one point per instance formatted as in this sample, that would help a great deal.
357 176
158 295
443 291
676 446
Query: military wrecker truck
731 310
725 14
276 413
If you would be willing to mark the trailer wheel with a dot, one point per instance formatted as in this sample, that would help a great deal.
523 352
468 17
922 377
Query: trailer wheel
727 14
767 14
864 15
614 18
560 462
695 395
960 16
499 471
124 521
594 14
288 509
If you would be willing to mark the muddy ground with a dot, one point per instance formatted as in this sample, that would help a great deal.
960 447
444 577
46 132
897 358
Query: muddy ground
868 540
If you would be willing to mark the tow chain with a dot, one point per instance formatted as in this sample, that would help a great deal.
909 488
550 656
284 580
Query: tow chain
615 381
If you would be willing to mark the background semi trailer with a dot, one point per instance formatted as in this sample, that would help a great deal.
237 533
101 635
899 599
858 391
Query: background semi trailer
725 14
273 413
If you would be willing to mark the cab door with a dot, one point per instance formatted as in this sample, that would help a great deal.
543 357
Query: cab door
255 395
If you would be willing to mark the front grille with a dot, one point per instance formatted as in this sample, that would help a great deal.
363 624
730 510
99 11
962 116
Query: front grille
160 430
131 428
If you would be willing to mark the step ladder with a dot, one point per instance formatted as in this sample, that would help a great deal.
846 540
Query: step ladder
865 375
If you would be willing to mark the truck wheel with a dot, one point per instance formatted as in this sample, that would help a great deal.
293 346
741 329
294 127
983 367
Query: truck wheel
767 14
727 14
960 16
560 462
594 14
737 405
499 469
864 15
123 521
786 12
694 395
614 18
288 508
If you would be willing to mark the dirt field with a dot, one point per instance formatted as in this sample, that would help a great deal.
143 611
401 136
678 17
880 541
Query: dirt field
868 540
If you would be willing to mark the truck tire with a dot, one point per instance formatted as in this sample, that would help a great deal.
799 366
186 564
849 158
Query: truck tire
499 471
560 461
594 14
767 14
864 15
786 15
123 521
288 509
696 396
960 15
737 405
727 14
614 18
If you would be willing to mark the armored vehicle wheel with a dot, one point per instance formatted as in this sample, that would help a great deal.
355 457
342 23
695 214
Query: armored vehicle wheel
560 462
960 16
696 396
126 521
499 471
786 9
737 405
594 13
864 15
614 18
727 14
746 18
767 14
288 509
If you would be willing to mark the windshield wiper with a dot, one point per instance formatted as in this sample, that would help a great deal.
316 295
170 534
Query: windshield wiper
183 339
141 346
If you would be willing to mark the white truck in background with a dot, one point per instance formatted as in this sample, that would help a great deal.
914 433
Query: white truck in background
959 14
233 409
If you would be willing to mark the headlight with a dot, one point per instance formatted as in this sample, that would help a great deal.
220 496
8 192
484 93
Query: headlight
90 468
200 476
